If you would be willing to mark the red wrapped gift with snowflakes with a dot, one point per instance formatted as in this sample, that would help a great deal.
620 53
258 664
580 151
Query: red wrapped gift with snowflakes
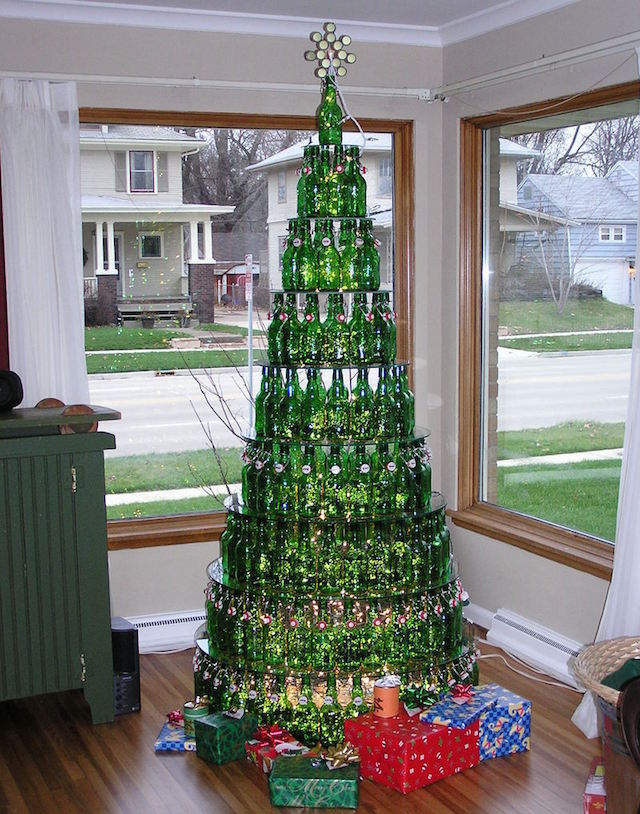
405 754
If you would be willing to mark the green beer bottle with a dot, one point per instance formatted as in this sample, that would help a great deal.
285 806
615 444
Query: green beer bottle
362 406
330 553
265 384
286 487
349 276
336 185
360 331
335 331
272 419
310 483
384 328
327 257
331 715
277 708
274 331
253 630
384 406
337 407
303 557
354 562
313 403
291 332
329 114
306 257
323 173
298 637
335 483
274 638
357 706
264 479
368 257
289 272
355 187
290 405
384 479
312 344
302 188
305 719
406 398
249 476
360 481
322 646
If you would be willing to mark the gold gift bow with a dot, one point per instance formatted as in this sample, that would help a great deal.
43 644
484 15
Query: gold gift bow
338 756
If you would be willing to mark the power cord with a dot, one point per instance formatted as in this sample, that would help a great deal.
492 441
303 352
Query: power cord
524 664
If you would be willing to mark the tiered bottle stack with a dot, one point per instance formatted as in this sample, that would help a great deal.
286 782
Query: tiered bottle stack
335 564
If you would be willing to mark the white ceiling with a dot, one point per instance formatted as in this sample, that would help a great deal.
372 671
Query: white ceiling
417 22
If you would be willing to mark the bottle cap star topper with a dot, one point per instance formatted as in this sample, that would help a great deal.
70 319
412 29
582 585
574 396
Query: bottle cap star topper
330 52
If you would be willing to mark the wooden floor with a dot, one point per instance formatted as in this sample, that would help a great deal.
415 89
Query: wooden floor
53 760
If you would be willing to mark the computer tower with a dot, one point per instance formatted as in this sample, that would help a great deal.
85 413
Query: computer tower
126 666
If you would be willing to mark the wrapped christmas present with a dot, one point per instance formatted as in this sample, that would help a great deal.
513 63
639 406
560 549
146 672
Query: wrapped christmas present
317 781
270 742
405 754
220 737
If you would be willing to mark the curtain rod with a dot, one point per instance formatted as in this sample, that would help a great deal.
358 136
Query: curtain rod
221 84
586 53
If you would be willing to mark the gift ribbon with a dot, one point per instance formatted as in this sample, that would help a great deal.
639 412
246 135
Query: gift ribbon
175 717
270 736
419 697
338 756
462 693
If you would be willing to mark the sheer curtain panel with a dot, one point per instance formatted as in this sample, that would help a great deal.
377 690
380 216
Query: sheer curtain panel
621 614
39 155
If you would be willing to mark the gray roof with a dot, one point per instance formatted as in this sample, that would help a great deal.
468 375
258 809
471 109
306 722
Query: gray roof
629 166
135 132
515 150
585 198
374 142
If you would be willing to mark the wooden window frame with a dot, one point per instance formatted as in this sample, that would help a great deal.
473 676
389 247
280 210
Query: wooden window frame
207 526
571 548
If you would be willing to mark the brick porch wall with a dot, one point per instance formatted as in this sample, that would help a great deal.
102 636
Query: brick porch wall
202 289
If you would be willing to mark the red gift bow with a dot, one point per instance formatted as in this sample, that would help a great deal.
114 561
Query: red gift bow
175 717
270 735
462 693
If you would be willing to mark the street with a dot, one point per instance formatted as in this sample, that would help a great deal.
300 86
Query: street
159 412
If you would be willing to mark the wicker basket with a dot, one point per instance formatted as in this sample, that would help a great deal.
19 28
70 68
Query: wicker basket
599 660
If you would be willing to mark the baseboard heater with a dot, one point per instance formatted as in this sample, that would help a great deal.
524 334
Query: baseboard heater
539 646
162 633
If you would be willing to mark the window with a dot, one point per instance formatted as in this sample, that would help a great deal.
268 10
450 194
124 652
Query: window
538 466
615 234
385 176
282 187
151 245
141 170
160 433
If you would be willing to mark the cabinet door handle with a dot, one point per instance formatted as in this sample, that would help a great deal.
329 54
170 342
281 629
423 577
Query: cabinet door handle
83 674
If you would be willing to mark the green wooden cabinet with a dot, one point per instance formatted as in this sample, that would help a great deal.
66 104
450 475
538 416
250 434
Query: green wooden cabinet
55 625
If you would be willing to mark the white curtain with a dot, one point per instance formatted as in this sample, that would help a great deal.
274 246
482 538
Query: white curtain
621 615
39 154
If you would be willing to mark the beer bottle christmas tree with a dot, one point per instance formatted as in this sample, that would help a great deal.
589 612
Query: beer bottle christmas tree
336 564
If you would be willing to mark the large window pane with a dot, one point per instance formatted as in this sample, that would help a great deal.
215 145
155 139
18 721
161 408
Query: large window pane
559 248
172 273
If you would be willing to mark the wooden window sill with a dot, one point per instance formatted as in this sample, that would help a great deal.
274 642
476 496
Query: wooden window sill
147 532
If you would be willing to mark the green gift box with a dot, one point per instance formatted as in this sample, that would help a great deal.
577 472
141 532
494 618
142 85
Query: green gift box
307 781
220 737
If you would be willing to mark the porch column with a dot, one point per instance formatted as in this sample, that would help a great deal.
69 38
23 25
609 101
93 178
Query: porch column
194 254
111 249
99 249
208 248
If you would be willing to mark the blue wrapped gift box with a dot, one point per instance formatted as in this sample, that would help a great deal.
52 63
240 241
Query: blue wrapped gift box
505 728
451 712
172 738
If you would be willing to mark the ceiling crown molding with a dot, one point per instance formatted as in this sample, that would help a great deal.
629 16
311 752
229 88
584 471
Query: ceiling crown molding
103 12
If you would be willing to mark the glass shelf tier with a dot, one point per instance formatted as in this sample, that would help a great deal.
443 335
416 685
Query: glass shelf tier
238 593
233 503
343 365
418 436
380 290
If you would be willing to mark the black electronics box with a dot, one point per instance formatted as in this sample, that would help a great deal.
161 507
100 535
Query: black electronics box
126 666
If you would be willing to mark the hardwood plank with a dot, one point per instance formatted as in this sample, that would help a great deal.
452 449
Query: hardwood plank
53 759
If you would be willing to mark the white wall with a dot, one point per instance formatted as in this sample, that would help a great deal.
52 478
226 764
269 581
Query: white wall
496 574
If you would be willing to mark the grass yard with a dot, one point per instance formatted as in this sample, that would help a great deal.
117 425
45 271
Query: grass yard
541 317
110 337
215 327
171 360
581 496
205 503
576 342
171 470
573 436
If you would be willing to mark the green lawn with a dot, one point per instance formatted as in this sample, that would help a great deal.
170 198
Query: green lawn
573 436
215 327
540 316
577 342
171 470
171 360
582 496
111 337
205 503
